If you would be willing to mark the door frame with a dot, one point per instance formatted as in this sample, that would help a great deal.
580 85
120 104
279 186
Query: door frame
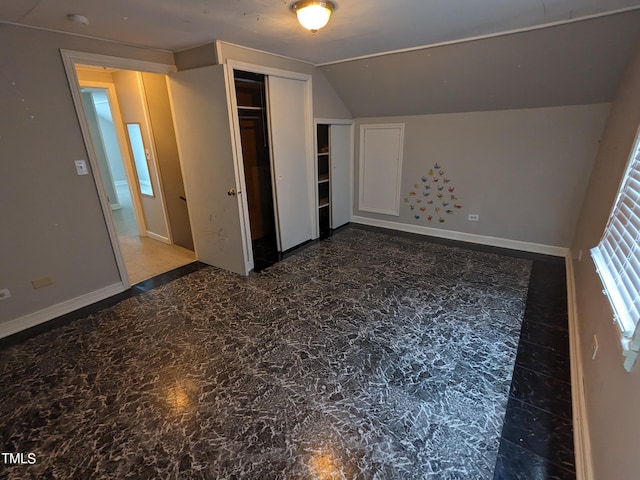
233 65
127 161
70 59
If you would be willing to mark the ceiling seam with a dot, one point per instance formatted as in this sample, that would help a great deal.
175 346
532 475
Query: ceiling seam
30 10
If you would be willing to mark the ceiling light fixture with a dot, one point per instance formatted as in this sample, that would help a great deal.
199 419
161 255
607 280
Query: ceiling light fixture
313 14
77 18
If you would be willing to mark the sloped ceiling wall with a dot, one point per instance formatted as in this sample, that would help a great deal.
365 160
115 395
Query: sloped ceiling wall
571 64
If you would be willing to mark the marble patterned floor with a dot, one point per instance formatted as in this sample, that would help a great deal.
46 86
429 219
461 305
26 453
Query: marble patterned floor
366 355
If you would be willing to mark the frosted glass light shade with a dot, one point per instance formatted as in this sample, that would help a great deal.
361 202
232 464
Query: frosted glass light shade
313 15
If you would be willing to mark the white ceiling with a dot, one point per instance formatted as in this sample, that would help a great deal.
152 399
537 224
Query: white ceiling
357 28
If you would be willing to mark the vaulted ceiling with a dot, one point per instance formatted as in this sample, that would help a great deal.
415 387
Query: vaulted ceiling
357 28
571 64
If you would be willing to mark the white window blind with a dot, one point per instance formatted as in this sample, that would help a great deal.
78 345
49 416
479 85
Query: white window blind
617 257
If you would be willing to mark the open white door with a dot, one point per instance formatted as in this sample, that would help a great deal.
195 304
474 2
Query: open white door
290 149
200 104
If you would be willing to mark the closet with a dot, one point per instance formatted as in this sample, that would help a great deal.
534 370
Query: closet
245 135
254 139
333 175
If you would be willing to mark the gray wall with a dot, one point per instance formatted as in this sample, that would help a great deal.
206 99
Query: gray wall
611 393
326 102
52 223
164 138
105 120
574 64
523 171
133 109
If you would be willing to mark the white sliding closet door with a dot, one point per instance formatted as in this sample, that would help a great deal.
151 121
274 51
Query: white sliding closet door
289 126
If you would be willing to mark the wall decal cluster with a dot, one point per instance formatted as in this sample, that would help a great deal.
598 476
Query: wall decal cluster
433 197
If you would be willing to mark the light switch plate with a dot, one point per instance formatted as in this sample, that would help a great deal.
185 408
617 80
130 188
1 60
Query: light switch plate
81 167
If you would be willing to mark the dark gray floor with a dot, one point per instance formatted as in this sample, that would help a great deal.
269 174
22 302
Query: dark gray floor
363 356
537 437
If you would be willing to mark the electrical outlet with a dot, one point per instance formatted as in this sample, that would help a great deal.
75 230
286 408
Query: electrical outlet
4 294
594 348
474 217
41 282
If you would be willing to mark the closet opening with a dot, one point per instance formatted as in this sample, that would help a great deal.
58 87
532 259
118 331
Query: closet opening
254 135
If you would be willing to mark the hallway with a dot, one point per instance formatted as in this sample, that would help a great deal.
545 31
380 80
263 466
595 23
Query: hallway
144 257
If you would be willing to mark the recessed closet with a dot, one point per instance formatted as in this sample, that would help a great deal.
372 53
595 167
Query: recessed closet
333 173
254 135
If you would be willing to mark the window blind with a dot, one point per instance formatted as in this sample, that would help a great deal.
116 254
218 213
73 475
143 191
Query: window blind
617 256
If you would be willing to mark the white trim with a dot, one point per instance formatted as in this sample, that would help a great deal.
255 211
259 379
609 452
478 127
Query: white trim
115 206
119 183
480 37
54 311
581 439
219 59
395 211
464 237
81 35
84 58
337 121
219 44
159 238
269 71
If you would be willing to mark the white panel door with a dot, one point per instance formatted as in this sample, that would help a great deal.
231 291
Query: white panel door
200 104
381 168
340 148
290 150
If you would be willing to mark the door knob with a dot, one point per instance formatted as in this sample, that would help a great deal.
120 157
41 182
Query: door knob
231 192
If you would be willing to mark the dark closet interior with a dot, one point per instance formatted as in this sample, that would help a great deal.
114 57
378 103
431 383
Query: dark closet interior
252 116
324 177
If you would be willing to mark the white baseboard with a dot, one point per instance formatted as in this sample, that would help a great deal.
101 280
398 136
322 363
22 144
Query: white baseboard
115 206
54 311
119 183
581 439
464 237
159 238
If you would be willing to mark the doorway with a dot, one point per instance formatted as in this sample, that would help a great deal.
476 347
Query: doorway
254 135
130 172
